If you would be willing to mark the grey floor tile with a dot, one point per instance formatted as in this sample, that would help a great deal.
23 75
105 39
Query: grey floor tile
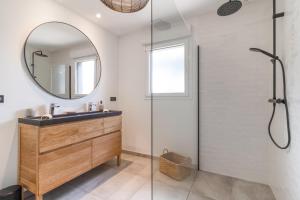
197 196
143 193
162 191
213 186
218 187
91 180
243 190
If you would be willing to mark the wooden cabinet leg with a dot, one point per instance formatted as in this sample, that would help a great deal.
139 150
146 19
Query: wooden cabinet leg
22 193
119 160
38 197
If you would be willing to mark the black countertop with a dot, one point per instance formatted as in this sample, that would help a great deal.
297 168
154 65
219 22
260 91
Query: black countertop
59 119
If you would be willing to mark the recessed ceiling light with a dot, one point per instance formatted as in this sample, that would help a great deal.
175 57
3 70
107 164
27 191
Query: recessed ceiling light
98 15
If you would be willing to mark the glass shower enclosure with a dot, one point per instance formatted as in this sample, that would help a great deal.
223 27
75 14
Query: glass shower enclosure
173 89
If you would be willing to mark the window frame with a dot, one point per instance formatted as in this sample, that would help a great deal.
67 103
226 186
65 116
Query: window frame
80 60
165 45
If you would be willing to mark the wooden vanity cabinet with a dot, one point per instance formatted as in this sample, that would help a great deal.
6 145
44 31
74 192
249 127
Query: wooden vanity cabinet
106 147
62 165
53 155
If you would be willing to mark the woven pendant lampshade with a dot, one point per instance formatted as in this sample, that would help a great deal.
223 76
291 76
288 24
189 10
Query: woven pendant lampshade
126 6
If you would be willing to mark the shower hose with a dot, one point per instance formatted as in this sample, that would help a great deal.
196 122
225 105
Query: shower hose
280 101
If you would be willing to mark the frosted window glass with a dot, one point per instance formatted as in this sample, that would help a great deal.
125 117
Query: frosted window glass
85 77
168 70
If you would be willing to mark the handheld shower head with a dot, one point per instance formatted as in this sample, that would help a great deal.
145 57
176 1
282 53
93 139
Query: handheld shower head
263 52
230 7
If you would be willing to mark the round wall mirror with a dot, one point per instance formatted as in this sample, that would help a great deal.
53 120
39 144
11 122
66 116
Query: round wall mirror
62 60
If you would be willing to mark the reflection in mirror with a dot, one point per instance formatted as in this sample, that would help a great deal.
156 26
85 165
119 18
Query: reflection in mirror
62 60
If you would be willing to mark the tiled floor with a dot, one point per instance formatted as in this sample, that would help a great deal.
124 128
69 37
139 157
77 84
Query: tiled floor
132 181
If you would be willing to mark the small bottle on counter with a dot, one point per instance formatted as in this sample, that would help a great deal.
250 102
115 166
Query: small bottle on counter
29 112
90 106
101 106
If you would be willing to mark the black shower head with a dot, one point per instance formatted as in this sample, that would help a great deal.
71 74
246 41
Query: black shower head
40 53
43 55
230 7
264 52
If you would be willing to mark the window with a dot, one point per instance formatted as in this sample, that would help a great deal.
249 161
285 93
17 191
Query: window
85 76
168 70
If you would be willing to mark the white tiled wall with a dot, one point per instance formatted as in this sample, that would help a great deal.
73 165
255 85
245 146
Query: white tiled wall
235 87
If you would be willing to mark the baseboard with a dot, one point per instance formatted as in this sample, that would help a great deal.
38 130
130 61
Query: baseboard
194 166
137 154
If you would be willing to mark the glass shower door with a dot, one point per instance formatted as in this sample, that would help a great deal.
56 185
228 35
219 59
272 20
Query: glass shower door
173 78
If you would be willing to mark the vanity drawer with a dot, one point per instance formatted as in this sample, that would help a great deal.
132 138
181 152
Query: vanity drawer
112 124
63 165
106 147
57 136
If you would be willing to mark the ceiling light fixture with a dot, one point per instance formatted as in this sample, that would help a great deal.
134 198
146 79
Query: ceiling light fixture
98 15
126 6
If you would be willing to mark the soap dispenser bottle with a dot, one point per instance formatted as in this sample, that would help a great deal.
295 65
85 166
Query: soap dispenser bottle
101 106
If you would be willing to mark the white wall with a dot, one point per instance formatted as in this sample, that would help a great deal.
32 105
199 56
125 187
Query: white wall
235 87
18 18
133 63
284 166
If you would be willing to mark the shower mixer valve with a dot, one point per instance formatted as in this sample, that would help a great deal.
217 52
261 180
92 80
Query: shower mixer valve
278 101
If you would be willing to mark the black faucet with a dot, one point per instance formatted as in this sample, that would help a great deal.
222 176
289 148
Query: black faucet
52 108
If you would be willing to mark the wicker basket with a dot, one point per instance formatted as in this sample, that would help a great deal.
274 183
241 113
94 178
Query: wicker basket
174 165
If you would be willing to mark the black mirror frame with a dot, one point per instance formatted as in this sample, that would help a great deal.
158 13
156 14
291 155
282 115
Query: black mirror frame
33 78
